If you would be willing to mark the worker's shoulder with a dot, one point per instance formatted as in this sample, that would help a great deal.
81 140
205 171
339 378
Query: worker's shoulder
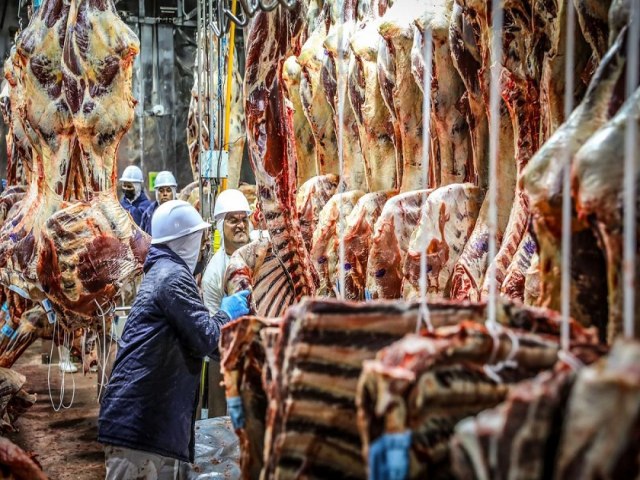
168 271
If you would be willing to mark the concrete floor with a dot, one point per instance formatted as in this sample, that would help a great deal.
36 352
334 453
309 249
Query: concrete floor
64 441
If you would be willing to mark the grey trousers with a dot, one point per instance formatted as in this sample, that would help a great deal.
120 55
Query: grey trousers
129 464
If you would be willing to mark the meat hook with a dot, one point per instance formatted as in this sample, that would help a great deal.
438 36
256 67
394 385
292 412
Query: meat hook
268 7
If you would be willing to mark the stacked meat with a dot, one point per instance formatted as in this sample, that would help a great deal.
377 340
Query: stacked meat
68 240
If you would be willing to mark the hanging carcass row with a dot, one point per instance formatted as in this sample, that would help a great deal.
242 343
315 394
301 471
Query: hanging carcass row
68 240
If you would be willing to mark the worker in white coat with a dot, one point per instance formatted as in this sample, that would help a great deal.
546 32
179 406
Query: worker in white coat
231 214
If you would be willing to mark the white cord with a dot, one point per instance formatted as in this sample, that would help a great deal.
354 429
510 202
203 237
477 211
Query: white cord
61 405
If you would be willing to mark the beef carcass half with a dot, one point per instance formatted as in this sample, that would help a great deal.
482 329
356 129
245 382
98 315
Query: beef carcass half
450 129
314 101
273 37
326 238
401 93
357 241
70 238
470 39
247 379
334 77
524 431
600 427
311 198
306 167
390 242
196 126
542 180
445 226
598 178
255 267
375 130
423 385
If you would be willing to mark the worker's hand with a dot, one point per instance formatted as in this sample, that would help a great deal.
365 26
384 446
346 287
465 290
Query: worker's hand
236 305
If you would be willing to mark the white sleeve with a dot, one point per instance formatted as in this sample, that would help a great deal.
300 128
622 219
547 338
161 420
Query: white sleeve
212 287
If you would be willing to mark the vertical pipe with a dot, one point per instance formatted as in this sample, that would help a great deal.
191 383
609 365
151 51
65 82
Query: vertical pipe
227 113
141 15
426 150
494 138
199 44
630 173
565 288
340 91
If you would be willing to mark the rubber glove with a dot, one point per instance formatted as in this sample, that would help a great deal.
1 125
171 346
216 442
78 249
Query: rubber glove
236 305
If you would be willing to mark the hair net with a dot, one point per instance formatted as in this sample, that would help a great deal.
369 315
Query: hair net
188 248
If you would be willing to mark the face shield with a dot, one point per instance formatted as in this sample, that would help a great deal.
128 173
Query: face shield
188 248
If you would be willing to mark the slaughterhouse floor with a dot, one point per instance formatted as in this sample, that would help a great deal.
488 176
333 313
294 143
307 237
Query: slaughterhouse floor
63 441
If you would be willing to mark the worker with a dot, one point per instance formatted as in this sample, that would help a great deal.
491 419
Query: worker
148 411
134 199
231 214
166 189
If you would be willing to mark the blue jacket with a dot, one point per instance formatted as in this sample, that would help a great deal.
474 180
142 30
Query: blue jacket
150 401
137 207
145 223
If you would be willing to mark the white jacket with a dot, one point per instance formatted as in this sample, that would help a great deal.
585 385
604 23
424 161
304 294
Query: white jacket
212 288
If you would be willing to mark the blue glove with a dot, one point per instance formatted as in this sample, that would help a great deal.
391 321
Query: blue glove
236 305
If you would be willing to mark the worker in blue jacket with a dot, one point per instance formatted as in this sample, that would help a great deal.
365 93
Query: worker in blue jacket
134 200
166 189
148 411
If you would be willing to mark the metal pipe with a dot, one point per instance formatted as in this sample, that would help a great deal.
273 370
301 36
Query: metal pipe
199 43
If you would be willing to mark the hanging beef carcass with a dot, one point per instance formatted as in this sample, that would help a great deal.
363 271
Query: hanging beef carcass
603 442
272 38
311 198
325 247
446 223
390 242
334 76
450 130
97 66
70 239
524 428
469 38
38 90
357 236
306 167
598 178
375 130
542 180
401 93
314 101
209 86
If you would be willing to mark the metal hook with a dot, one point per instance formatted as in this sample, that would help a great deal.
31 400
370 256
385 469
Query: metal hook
288 4
268 7
250 7
241 21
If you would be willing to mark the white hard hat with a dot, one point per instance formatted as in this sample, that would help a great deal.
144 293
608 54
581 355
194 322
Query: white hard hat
165 179
131 174
175 219
230 201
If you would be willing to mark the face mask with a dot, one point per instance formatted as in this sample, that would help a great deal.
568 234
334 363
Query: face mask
129 194
188 248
